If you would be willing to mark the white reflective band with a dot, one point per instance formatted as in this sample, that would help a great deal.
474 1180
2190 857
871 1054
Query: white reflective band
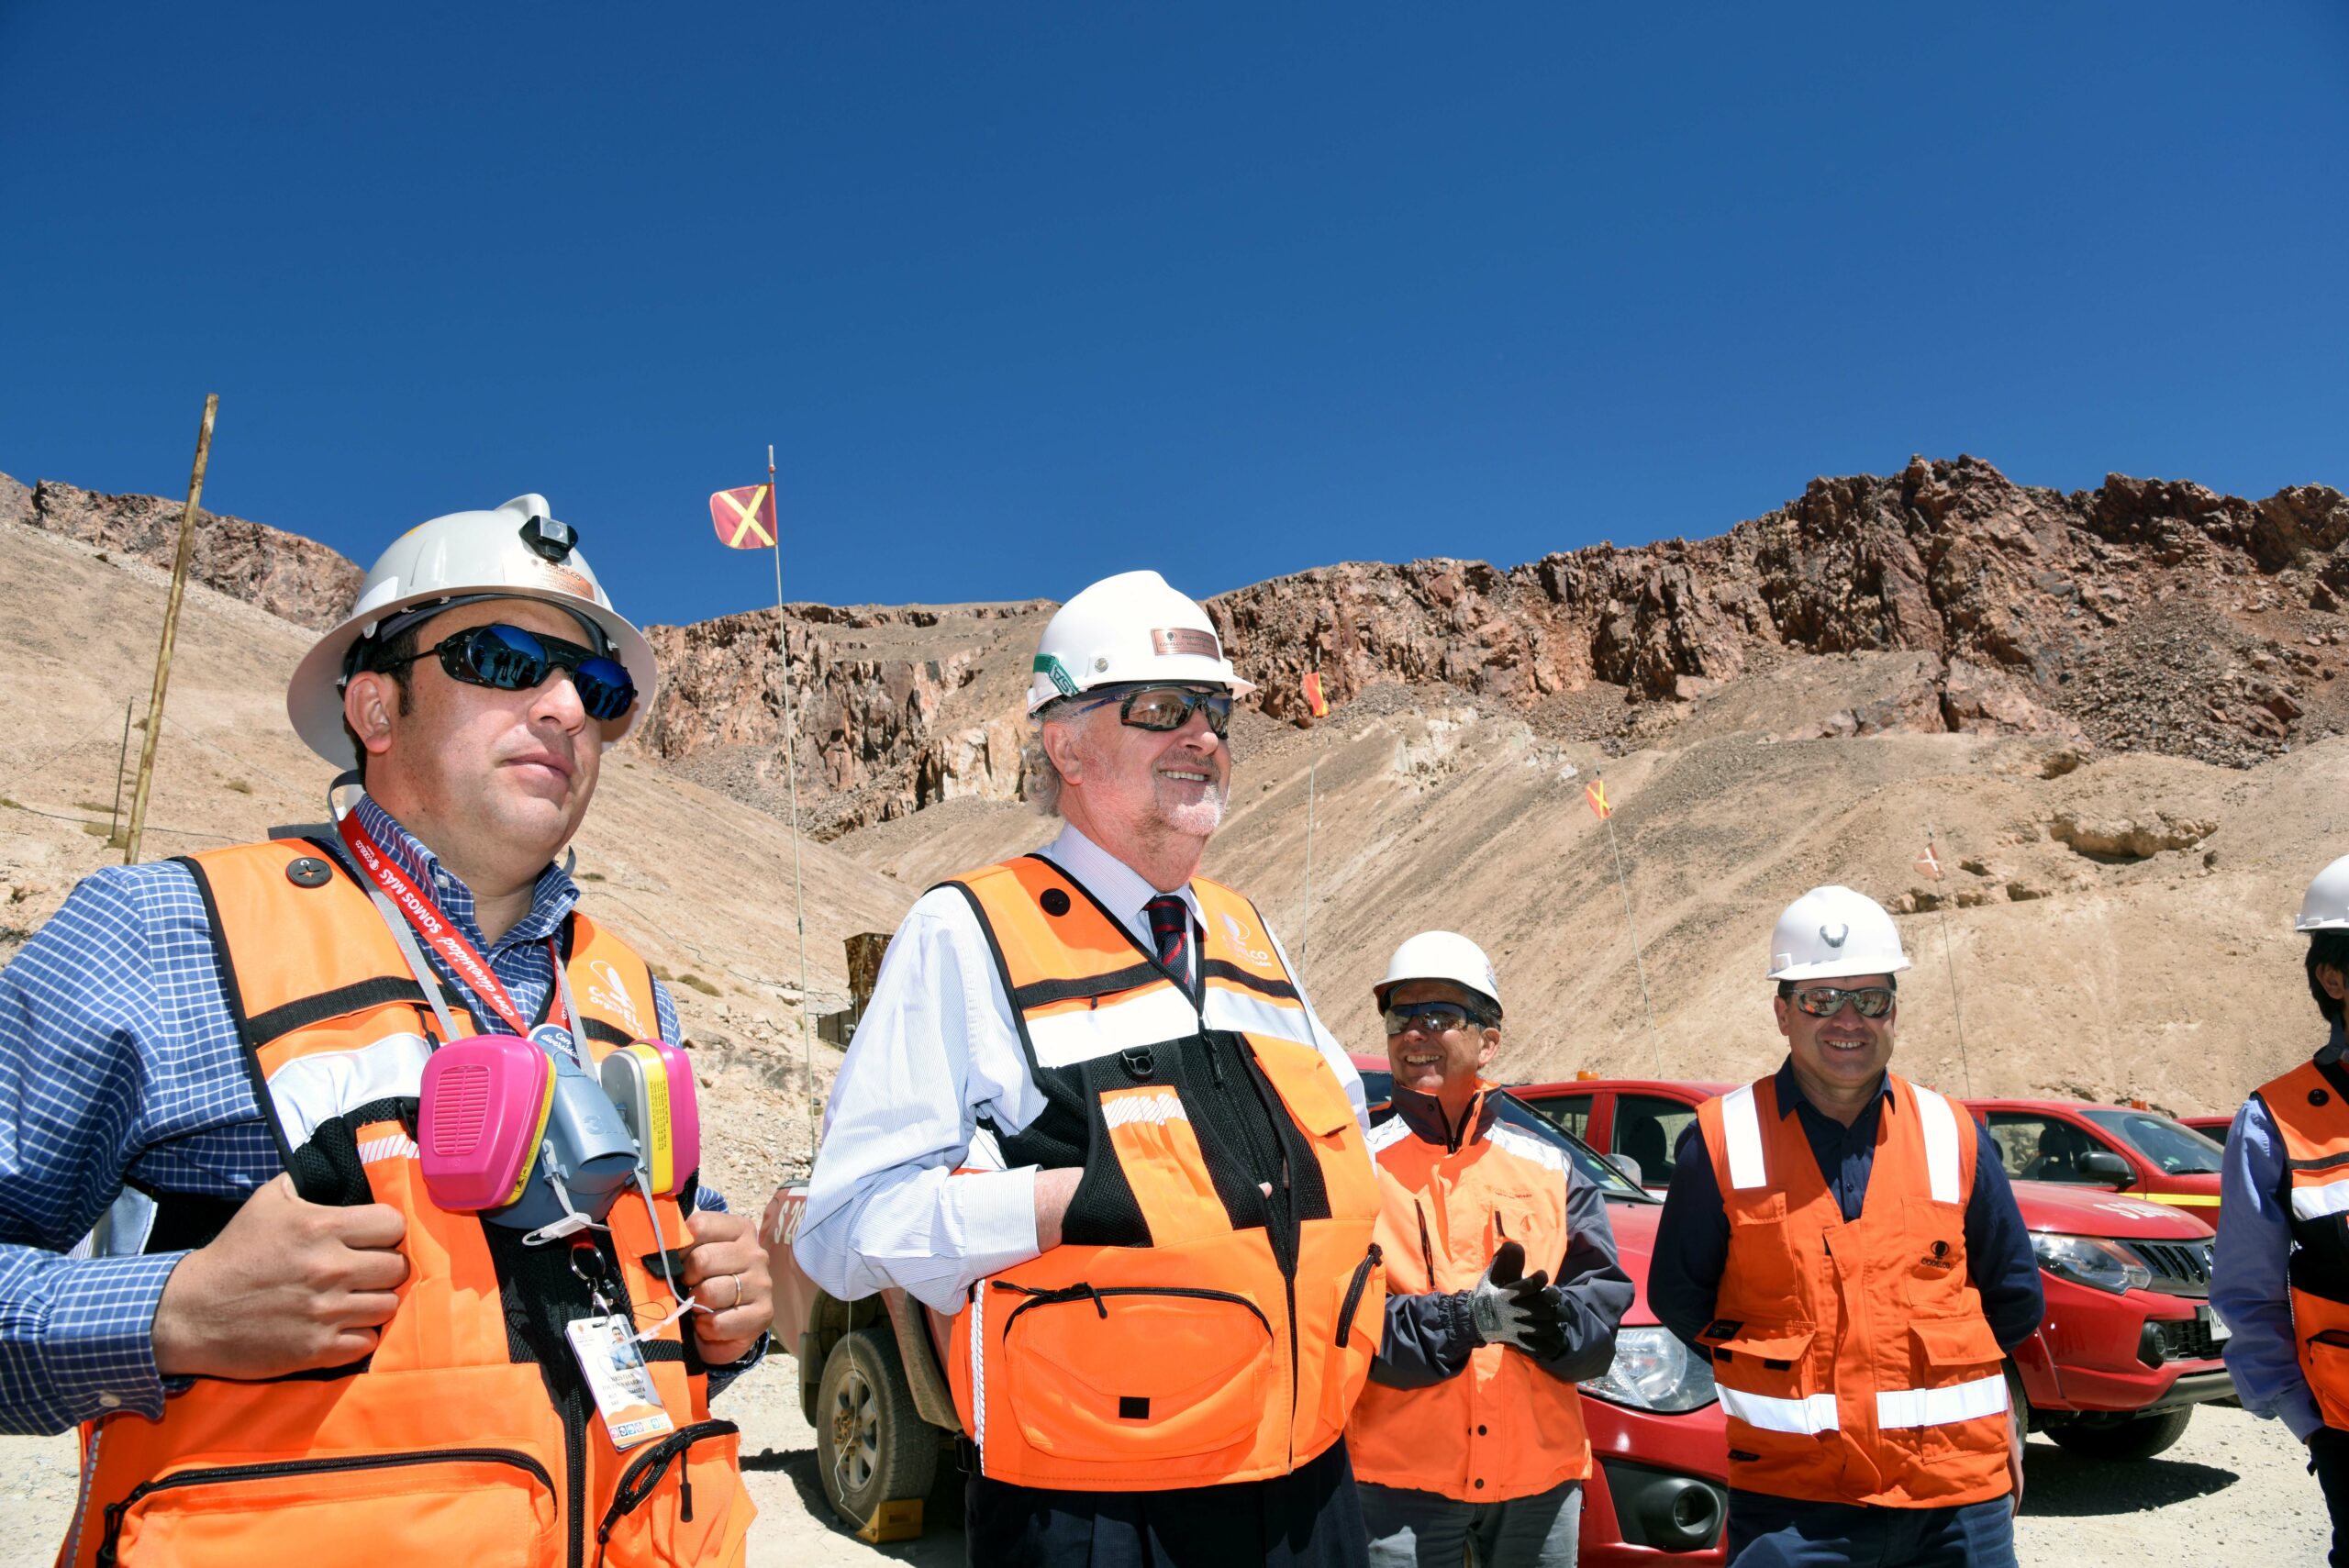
1243 1012
392 1146
1942 1407
1744 1128
2321 1203
979 1372
1940 1124
1525 1146
1388 1134
312 1089
1150 1017
1807 1417
1158 1109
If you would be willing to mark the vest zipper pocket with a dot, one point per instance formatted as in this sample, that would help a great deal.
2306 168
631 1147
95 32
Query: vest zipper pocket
1084 1292
1354 1288
645 1472
273 1470
1427 1252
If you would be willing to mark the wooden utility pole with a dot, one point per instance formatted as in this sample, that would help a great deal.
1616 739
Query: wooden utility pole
171 631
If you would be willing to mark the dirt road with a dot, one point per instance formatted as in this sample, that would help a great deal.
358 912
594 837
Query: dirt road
2232 1491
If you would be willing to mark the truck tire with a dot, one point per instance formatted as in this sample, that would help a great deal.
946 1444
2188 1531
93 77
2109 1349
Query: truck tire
872 1445
2140 1437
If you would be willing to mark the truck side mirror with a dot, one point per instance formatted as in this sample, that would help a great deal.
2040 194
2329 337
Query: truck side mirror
2104 1165
1630 1165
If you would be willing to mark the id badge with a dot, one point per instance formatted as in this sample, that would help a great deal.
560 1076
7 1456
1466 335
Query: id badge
614 1364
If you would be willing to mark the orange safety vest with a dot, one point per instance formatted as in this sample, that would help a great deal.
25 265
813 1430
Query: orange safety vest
1188 1330
2310 1107
1854 1361
468 1435
1504 1428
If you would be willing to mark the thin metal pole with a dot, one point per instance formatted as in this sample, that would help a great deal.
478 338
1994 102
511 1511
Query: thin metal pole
1624 886
1949 955
791 772
121 765
170 632
1305 917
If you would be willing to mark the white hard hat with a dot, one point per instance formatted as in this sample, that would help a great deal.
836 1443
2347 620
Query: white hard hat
1131 627
1832 932
1441 955
518 552
2326 907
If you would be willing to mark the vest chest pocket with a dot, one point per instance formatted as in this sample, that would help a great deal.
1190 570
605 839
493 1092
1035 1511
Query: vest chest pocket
679 1501
354 1510
1128 1373
1762 1260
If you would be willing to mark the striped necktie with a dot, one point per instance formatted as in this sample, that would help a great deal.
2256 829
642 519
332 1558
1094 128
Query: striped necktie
1170 928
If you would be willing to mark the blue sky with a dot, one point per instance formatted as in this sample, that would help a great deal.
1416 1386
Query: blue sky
1027 294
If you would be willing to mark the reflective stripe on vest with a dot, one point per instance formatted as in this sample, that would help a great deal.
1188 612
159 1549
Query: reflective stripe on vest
1835 1342
1503 1428
446 1433
1218 1335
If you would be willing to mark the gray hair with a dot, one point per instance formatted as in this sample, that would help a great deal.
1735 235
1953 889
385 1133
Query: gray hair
1041 777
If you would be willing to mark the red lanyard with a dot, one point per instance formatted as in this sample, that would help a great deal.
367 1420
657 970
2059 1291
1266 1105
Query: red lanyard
462 957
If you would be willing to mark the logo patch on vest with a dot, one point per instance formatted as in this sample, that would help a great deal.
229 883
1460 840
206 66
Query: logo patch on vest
1937 1256
608 990
1239 934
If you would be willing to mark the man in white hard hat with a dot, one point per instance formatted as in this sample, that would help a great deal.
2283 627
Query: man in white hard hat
1845 1246
1469 1442
1089 1112
2281 1279
239 1043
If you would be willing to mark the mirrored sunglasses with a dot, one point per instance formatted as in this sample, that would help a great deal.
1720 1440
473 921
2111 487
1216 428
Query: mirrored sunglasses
509 659
1826 1001
1168 707
1429 1018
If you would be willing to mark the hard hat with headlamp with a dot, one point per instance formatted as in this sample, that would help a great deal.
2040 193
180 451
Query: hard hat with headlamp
517 552
1833 932
1128 628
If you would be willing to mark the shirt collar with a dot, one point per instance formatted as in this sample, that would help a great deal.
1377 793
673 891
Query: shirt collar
1118 885
552 899
1790 1093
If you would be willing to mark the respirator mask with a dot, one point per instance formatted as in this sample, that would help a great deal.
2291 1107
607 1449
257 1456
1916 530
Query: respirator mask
519 1133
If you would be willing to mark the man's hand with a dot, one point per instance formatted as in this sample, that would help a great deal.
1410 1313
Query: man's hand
1053 1190
726 1271
1513 1308
286 1286
2014 1455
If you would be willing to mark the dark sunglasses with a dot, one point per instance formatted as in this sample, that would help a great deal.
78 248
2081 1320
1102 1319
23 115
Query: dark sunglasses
508 659
1826 1001
1430 1019
1168 707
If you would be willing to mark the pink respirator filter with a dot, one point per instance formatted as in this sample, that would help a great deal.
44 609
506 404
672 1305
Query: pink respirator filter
483 1113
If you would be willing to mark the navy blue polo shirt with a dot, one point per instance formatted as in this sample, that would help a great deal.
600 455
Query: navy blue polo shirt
1692 1235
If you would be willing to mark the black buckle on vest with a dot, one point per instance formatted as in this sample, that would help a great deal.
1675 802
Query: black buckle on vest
1138 1062
966 1455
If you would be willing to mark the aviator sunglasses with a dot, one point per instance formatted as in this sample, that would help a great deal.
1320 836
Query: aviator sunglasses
1826 1001
1168 707
508 659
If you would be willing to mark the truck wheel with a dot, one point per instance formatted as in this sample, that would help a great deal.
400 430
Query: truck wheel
872 1445
2141 1437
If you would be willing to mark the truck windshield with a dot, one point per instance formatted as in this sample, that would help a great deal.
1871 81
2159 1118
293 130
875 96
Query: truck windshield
1378 1090
2174 1149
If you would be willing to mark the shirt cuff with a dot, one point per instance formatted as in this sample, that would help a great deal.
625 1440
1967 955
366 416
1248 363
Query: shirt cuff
999 1218
99 1348
2297 1411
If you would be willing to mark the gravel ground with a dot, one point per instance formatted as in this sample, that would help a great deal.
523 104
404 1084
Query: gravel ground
2232 1491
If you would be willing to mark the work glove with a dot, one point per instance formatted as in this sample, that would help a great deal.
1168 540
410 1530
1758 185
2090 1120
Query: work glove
1512 1308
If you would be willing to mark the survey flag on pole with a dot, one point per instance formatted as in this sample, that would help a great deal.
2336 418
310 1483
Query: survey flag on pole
1929 863
744 518
1313 698
1594 792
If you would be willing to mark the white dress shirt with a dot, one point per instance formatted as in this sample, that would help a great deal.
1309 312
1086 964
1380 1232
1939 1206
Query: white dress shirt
936 1049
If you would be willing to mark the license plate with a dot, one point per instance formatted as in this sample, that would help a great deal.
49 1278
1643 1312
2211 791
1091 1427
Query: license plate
2220 1332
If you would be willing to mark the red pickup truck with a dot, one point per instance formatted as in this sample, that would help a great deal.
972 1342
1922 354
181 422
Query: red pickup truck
2129 1346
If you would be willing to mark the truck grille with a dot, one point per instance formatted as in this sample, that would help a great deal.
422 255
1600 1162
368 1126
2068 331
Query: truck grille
2179 1268
2177 1340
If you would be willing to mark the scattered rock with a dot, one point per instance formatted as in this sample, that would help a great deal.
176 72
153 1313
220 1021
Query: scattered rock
2128 838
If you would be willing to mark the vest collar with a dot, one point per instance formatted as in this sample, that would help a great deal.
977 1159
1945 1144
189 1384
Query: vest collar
1121 889
1423 1114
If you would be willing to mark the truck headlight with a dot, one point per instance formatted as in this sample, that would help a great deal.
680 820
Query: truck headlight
1654 1371
2090 1260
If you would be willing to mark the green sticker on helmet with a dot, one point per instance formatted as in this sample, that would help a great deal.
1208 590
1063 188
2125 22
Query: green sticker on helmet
1049 665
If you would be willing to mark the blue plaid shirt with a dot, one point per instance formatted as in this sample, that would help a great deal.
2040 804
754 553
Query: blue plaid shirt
119 1058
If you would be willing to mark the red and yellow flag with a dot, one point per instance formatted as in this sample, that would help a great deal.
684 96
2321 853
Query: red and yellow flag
744 518
1929 863
1594 792
1313 698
